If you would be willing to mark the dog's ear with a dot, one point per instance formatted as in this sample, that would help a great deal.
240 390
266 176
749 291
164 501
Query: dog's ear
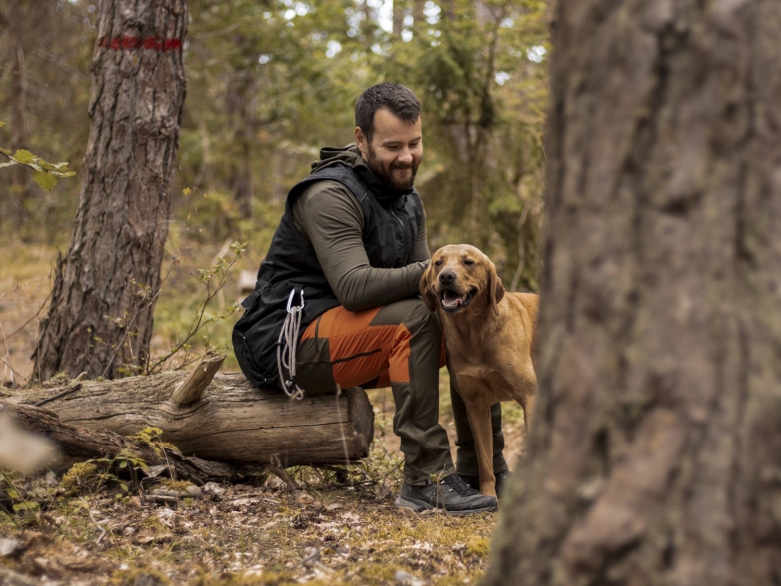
495 287
429 297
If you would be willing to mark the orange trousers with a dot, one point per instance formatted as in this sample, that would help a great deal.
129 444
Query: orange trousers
364 348
398 345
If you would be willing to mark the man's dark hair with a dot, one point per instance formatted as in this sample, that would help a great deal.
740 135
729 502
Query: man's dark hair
394 97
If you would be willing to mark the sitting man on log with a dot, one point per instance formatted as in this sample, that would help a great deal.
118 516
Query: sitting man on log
336 299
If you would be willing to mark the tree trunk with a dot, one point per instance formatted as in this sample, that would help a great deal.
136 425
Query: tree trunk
369 23
418 13
219 417
19 185
656 452
398 17
242 112
100 318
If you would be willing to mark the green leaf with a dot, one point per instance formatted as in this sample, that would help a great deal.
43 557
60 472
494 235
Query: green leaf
46 180
24 157
26 506
2 124
123 464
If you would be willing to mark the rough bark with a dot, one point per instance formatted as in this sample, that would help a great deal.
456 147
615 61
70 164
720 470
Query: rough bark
656 452
230 421
100 318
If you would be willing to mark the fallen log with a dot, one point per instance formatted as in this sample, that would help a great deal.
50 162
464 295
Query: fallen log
77 444
218 416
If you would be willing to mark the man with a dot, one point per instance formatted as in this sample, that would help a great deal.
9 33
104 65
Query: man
346 261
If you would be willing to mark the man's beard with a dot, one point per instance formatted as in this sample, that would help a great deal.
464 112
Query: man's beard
385 172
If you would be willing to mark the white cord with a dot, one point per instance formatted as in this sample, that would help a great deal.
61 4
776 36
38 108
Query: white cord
286 353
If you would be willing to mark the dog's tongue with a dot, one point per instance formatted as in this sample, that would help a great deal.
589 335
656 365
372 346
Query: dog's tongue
450 299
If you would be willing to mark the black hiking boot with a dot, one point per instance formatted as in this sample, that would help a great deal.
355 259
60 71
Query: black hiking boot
451 494
501 478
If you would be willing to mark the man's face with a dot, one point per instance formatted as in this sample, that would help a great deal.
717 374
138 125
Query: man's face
395 150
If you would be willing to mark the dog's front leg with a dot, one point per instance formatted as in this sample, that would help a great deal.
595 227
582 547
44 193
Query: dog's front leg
479 415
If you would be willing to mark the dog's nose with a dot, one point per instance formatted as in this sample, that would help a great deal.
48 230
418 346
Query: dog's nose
447 277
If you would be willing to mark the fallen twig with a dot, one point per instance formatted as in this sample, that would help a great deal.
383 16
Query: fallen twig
282 474
95 521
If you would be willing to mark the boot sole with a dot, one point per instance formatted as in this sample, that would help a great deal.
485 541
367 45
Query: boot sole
419 506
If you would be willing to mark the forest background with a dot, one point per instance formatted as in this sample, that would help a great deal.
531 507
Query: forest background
268 84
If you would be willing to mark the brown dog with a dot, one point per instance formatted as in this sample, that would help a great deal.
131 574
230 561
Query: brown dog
490 336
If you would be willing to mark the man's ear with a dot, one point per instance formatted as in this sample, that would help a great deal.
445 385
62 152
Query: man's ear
360 140
429 297
495 287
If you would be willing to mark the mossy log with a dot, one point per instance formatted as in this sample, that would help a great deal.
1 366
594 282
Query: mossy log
218 416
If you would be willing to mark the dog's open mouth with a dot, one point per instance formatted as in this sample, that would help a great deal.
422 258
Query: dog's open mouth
453 302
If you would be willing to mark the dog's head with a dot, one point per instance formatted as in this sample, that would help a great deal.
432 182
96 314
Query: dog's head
458 276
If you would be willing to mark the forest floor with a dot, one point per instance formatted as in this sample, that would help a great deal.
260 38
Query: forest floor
341 526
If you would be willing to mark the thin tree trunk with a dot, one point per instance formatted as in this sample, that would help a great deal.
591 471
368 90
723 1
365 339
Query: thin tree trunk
478 133
418 13
242 105
656 452
398 17
19 184
369 24
100 318
242 179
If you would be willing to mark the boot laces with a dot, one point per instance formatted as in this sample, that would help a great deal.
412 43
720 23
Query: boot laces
457 484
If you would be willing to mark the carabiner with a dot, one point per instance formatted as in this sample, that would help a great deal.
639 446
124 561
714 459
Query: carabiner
290 308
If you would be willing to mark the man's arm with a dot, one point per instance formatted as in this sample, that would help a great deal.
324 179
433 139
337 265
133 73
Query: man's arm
332 219
421 252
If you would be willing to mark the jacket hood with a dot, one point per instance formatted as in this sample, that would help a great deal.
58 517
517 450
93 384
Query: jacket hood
349 156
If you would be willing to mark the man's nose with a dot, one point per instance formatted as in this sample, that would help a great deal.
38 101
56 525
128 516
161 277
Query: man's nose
405 157
447 277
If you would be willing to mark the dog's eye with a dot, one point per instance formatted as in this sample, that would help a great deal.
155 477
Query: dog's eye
438 262
469 262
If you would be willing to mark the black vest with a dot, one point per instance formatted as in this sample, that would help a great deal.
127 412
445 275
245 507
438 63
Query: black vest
390 230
